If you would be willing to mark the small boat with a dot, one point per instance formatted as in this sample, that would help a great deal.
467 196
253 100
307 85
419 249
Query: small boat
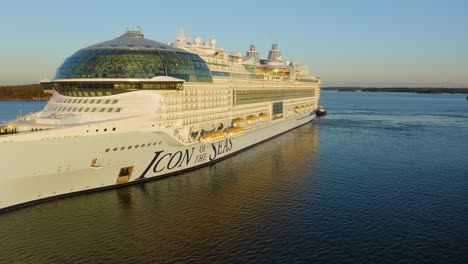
238 122
298 109
263 116
212 136
252 119
320 111
234 131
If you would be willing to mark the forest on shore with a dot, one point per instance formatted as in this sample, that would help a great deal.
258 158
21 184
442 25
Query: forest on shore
23 92
431 90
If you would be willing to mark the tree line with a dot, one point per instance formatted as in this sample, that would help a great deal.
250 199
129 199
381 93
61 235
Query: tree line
23 92
433 90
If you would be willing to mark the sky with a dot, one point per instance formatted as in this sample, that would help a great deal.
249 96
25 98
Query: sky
347 43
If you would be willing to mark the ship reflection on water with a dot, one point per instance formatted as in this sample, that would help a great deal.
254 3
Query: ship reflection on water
258 172
216 207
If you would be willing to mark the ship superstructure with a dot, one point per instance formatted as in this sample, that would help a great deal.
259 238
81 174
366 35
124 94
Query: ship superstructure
132 109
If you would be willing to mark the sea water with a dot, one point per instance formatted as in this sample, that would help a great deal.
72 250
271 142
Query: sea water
383 178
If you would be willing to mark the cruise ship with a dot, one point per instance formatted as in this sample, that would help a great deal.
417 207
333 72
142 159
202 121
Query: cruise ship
132 109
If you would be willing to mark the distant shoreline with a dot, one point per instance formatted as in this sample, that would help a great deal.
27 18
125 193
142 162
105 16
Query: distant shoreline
427 90
29 92
3 100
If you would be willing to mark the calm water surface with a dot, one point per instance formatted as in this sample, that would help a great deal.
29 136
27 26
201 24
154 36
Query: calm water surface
382 179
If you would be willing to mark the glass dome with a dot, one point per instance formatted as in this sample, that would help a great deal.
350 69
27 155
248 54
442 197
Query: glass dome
133 56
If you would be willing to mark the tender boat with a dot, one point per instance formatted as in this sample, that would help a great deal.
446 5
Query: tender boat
320 111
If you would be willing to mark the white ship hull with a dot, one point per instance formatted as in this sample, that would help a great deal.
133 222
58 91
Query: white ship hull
34 171
131 109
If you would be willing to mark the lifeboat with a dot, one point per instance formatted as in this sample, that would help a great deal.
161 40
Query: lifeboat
263 116
298 109
212 136
238 122
234 131
252 119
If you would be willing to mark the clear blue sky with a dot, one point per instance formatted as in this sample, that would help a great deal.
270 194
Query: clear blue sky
399 42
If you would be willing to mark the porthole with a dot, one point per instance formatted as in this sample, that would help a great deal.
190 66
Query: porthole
113 129
122 148
136 146
129 147
154 144
97 130
107 150
115 149
142 145
105 129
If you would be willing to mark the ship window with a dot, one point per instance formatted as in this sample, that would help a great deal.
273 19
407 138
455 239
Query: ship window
81 109
277 108
74 109
142 145
80 94
92 101
113 129
85 101
129 147
107 150
136 146
98 101
115 149
74 101
122 148
107 101
102 110
92 93
110 109
118 109
87 109
94 110
79 101
114 102
86 94
99 93
69 108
